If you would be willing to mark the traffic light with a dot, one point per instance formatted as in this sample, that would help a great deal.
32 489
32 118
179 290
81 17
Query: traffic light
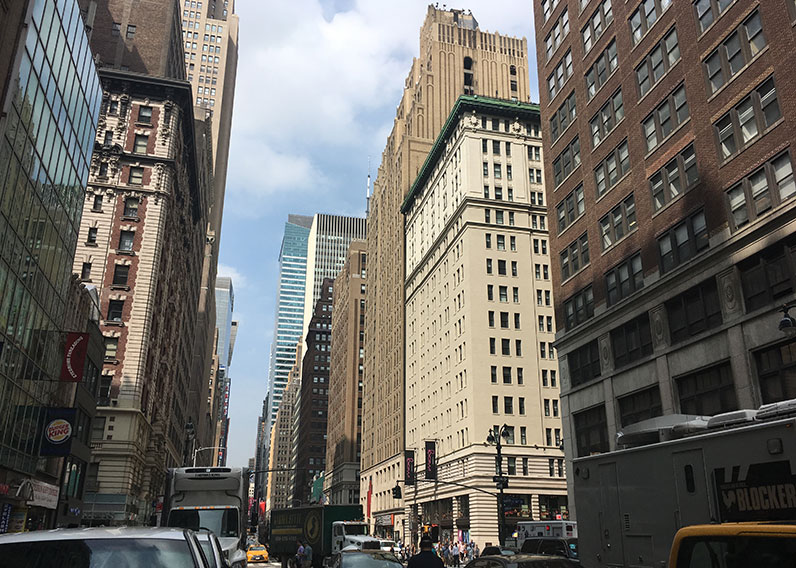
396 491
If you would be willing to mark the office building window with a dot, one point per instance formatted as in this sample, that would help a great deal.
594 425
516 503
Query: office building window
575 256
769 277
136 176
571 208
493 373
602 69
579 307
750 118
645 16
624 279
145 114
640 405
126 239
92 235
591 431
612 169
600 19
762 190
563 117
708 391
560 75
85 271
120 274
682 242
668 115
506 375
707 11
566 162
619 222
115 309
735 52
694 311
776 369
603 123
584 363
658 62
131 207
495 404
676 177
632 340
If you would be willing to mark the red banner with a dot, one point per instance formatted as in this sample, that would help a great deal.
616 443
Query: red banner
74 357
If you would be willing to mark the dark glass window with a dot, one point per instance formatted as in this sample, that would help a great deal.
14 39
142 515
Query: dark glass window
776 370
769 276
579 307
591 431
632 340
120 273
126 240
640 405
624 279
682 242
694 311
707 392
584 363
115 308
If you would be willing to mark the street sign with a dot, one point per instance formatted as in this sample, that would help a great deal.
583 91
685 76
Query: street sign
501 479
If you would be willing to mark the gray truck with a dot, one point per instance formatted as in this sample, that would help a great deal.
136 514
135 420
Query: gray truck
738 466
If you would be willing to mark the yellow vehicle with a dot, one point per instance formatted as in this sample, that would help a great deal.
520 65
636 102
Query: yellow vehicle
257 553
734 545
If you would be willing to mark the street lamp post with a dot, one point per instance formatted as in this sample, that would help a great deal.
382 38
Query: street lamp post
787 324
197 450
494 438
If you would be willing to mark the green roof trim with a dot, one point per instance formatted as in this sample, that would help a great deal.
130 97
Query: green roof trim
465 103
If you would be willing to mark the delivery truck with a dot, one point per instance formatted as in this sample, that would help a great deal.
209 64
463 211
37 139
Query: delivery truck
327 528
213 498
682 471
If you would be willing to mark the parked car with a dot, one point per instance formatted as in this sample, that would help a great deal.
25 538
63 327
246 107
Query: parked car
498 551
121 547
257 553
522 561
550 545
211 546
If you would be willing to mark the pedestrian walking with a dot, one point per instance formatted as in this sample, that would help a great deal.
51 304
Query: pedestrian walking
426 557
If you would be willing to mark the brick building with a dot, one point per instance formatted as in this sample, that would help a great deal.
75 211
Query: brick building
312 399
344 426
668 131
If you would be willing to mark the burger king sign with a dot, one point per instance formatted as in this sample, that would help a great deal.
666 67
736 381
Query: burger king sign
57 433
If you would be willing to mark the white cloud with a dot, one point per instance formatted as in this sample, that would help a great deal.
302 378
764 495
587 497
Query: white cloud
238 279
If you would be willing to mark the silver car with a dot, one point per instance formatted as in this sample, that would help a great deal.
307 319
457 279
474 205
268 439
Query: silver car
122 547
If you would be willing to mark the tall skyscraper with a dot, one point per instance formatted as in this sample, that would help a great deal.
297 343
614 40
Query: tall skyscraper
344 423
330 236
45 151
670 168
455 58
288 330
142 241
479 336
288 325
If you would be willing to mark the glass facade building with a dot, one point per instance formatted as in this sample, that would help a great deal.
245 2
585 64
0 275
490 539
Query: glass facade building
46 142
289 327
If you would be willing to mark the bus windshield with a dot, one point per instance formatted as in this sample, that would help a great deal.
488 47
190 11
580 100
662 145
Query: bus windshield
223 522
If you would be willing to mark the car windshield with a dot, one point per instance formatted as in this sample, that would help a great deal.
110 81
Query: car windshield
356 530
371 560
223 522
256 547
98 553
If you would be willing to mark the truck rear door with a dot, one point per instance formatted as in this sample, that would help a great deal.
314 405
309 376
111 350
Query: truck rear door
693 504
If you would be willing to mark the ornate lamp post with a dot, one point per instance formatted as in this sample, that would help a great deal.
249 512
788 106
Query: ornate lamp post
494 438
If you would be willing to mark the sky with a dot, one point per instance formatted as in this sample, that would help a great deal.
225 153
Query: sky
317 87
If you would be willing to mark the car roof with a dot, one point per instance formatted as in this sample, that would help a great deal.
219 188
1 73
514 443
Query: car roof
522 557
89 533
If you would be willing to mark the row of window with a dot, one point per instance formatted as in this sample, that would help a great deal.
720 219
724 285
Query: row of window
500 217
508 405
498 171
503 293
501 267
504 319
505 346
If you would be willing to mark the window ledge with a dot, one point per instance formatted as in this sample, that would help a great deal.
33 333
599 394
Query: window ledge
120 287
90 244
93 210
676 199
571 276
111 361
563 132
114 323
125 252
734 78
574 221
144 124
133 218
569 175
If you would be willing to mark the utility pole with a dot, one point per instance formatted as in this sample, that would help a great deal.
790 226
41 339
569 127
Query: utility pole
500 480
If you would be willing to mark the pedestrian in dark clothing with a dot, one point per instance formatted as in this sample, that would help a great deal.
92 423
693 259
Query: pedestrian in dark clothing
426 558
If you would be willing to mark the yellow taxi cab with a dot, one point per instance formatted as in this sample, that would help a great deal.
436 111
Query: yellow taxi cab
257 553
734 545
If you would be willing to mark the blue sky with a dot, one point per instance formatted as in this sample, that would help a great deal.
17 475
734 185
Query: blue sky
318 84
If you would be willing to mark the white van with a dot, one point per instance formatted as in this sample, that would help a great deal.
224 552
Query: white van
561 529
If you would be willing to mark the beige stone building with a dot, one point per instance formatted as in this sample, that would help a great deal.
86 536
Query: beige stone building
210 34
278 493
456 57
344 426
480 325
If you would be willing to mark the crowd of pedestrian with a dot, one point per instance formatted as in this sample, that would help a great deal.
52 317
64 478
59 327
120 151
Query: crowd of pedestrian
450 554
